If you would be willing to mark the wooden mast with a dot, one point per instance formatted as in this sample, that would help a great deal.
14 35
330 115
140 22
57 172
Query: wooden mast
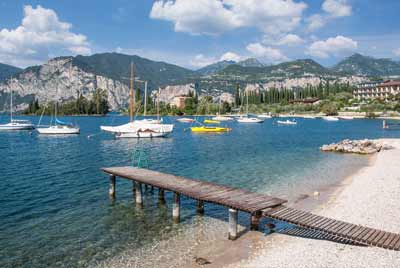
131 104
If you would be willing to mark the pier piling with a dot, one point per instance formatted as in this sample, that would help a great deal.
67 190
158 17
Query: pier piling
161 197
176 211
233 218
200 207
111 191
255 220
138 194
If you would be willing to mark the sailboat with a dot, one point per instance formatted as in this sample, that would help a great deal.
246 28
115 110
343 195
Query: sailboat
59 127
16 124
138 129
220 117
247 119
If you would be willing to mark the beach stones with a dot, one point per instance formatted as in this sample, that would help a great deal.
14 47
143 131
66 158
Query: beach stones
355 146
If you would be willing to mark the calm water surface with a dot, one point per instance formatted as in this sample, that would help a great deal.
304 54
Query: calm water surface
54 205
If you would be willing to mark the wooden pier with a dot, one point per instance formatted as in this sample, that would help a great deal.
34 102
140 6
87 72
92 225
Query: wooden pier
258 205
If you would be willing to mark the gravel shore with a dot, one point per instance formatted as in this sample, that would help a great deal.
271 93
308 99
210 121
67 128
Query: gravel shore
371 197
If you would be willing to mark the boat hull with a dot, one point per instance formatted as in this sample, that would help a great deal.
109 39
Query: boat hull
286 123
222 118
13 126
330 118
250 120
142 134
210 129
58 130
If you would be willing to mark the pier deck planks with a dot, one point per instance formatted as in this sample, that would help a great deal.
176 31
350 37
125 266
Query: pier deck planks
271 207
205 191
352 232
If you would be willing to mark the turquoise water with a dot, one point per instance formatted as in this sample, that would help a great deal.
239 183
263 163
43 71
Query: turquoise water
54 205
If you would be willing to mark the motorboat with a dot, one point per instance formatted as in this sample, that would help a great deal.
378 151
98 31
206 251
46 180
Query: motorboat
185 120
330 118
249 120
287 122
222 118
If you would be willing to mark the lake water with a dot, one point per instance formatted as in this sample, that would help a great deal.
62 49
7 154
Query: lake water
54 205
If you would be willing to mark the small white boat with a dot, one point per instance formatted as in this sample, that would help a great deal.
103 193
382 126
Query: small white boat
222 118
287 122
249 120
330 118
59 130
346 117
185 120
309 117
266 116
16 124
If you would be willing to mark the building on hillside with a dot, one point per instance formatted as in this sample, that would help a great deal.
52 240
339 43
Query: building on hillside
377 90
179 102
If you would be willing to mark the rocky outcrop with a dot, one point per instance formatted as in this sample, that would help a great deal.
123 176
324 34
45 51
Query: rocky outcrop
169 93
60 80
356 146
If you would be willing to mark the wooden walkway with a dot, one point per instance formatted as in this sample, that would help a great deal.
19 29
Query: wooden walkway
352 232
258 205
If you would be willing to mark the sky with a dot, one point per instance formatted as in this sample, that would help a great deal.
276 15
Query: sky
195 33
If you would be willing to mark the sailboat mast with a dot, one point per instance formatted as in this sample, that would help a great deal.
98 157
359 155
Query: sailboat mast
131 104
158 104
145 98
11 107
247 102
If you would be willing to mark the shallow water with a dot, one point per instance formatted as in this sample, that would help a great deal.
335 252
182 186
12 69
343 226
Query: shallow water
55 210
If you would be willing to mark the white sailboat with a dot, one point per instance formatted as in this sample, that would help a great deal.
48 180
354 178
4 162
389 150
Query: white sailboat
59 127
138 129
287 122
220 117
247 119
16 124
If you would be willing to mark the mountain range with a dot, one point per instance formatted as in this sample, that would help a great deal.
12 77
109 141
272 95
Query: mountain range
67 77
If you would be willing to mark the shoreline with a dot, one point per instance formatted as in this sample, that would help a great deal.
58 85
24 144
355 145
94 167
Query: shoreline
343 202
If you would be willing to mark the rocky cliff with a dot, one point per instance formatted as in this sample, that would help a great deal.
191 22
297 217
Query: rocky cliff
60 80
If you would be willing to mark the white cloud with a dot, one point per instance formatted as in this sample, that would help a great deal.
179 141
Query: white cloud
213 17
337 8
335 46
290 40
230 56
40 34
396 52
316 22
267 54
200 61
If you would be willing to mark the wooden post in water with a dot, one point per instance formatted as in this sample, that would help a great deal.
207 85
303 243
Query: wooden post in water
200 207
161 197
233 218
255 220
176 211
138 194
111 191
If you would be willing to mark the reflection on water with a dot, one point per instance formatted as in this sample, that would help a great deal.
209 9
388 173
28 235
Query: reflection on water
54 206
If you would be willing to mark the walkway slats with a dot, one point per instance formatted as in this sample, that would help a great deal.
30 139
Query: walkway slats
340 229
205 191
254 203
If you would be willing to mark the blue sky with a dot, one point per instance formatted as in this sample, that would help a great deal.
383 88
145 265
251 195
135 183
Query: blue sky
193 33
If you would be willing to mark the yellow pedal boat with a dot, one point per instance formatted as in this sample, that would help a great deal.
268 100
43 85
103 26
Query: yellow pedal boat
210 129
